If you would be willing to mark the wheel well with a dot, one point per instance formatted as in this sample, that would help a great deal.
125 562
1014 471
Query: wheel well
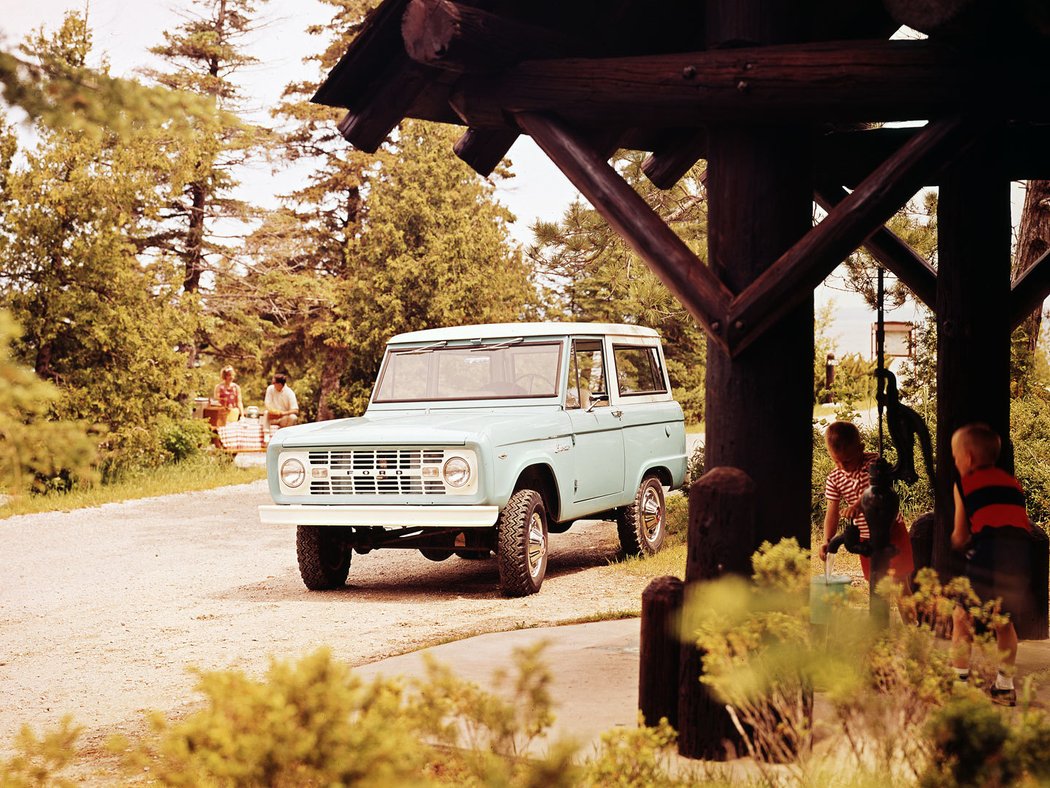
662 474
541 479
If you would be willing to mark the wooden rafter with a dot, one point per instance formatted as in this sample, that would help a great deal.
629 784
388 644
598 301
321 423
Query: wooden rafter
665 166
483 149
846 226
1030 290
890 250
692 282
829 81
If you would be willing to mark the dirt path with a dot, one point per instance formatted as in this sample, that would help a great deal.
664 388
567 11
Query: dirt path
103 610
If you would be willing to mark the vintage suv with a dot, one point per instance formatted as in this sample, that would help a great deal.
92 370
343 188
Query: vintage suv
480 440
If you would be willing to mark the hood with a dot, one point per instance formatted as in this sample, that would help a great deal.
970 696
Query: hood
432 427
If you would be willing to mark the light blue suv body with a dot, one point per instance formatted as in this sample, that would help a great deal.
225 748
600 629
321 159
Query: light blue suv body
480 440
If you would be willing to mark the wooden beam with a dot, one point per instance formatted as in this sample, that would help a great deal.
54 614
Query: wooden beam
828 81
846 226
483 149
457 37
667 255
1030 290
846 157
666 166
384 105
893 253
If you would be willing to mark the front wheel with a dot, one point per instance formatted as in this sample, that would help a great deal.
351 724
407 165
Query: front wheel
642 526
521 544
324 556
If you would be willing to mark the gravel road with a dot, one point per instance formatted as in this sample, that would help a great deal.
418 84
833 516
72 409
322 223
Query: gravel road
103 610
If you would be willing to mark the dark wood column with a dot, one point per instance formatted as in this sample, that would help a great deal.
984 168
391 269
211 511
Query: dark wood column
759 403
973 316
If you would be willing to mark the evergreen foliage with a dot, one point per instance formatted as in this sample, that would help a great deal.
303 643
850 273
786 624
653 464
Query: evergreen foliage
586 272
100 319
36 454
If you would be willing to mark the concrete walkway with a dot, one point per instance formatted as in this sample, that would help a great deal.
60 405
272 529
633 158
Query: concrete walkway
595 670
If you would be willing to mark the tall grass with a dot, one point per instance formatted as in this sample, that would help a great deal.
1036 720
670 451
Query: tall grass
200 472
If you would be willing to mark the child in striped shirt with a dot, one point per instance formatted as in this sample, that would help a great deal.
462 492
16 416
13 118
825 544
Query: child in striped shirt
992 521
843 489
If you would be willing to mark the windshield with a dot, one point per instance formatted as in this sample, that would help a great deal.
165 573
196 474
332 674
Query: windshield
501 369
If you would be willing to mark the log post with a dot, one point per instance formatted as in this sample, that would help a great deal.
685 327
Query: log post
659 653
723 513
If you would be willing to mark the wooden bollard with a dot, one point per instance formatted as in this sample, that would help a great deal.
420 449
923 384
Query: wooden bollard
660 647
723 528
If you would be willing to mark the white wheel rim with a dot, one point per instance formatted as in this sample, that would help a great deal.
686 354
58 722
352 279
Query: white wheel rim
537 546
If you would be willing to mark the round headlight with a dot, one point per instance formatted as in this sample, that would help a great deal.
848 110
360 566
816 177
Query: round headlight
292 473
457 472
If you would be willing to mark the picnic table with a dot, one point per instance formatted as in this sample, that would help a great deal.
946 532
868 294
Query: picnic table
247 434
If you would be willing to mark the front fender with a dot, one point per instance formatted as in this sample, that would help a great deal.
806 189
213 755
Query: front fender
554 454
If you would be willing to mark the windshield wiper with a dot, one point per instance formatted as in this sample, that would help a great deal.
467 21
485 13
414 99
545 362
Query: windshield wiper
426 348
499 345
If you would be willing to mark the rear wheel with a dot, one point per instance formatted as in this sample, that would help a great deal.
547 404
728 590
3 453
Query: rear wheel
324 556
521 545
642 526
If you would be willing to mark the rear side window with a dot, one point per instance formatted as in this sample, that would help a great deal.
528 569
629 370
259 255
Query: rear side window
638 370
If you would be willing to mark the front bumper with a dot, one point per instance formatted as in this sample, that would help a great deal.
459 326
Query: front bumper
381 516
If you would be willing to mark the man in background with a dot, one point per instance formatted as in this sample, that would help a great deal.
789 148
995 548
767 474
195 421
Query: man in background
282 409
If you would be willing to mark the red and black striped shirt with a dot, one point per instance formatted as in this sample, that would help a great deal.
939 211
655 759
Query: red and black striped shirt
993 499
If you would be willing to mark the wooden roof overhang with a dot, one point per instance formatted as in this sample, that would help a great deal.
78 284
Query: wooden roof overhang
588 77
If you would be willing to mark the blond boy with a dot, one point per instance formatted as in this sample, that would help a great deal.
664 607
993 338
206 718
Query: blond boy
992 525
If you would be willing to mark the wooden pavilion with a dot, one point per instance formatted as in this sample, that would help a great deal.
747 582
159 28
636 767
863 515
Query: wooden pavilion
782 98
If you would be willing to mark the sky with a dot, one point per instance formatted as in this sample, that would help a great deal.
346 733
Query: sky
125 29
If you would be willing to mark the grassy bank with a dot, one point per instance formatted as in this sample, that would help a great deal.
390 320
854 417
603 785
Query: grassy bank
203 472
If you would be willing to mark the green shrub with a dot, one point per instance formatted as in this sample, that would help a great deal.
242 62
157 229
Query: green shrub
41 761
183 438
1030 431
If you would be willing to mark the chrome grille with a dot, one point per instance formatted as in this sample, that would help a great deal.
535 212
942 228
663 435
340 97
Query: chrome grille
376 472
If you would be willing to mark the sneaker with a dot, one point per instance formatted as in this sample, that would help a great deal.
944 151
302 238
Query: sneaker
1004 697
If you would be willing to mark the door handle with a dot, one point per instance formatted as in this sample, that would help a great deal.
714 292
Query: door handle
618 414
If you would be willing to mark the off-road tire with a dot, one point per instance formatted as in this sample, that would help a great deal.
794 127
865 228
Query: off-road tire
521 544
642 526
324 556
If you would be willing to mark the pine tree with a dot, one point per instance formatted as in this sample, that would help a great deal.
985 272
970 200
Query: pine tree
589 273
100 320
372 245
206 54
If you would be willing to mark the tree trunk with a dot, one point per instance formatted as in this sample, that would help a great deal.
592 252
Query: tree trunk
331 372
1032 243
194 254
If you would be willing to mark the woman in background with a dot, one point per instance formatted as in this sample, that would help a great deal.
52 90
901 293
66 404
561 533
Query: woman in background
228 394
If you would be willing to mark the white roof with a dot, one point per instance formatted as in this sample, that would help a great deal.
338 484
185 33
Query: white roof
509 330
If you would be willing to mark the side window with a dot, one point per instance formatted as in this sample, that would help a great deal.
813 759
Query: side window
572 388
638 370
590 364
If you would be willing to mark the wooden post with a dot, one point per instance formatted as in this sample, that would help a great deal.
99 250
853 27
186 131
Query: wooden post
973 317
723 513
659 653
759 408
